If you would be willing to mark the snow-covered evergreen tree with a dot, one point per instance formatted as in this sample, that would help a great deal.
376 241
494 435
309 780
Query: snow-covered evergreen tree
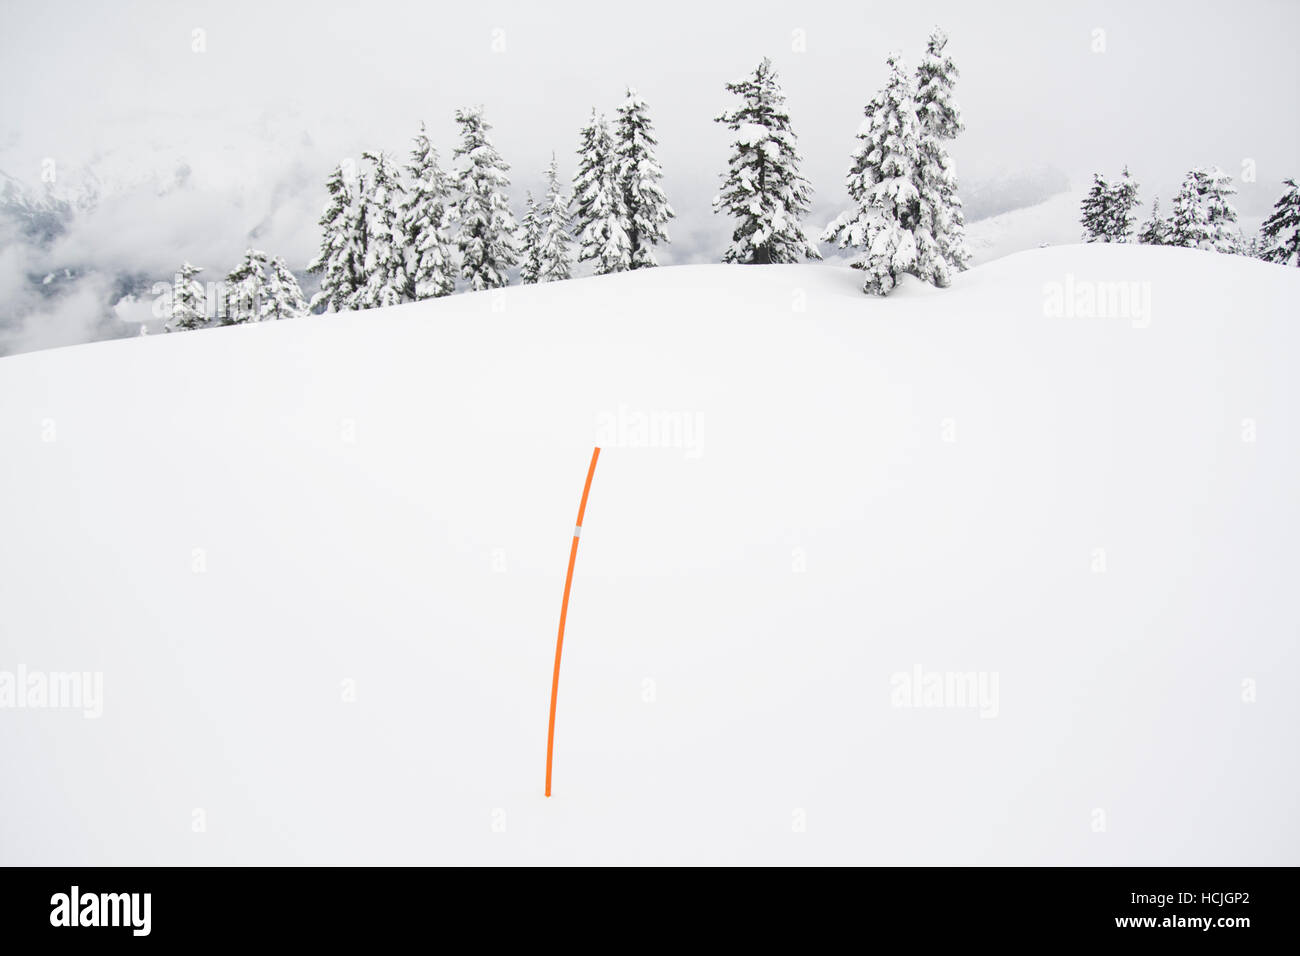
1095 211
599 216
262 289
882 183
246 289
645 206
342 259
1155 231
762 187
939 117
554 258
1280 233
189 300
427 220
385 262
1203 218
1123 202
1107 210
530 242
485 240
284 298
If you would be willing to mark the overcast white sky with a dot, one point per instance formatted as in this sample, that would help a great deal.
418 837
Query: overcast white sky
283 91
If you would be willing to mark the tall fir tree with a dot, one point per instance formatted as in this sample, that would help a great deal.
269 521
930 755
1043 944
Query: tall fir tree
645 206
1154 231
599 217
940 122
762 188
485 239
385 262
1203 218
882 183
189 301
427 222
555 257
1280 233
341 262
246 289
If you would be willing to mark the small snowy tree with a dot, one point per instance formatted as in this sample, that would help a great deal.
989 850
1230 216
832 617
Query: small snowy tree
284 298
1280 233
246 289
762 187
341 263
427 222
485 241
939 117
1123 202
882 182
385 260
1094 217
645 206
600 218
530 242
1155 231
554 257
1203 218
1107 210
262 289
189 300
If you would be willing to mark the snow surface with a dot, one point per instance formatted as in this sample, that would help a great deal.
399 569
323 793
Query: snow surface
424 561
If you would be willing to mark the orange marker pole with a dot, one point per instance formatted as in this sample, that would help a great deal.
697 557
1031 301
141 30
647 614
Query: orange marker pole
564 612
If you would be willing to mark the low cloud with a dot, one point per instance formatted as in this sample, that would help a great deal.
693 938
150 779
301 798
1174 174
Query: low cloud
72 316
142 210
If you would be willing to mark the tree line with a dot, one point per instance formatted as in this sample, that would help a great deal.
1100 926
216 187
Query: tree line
398 233
1202 217
260 289
393 236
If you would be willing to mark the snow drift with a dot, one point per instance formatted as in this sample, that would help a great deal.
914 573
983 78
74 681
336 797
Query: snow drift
956 576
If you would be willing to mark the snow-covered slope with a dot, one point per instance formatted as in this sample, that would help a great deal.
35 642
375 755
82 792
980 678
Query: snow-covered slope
243 529
1053 222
